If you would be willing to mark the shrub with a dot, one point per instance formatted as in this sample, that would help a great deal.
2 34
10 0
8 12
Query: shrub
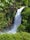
17 36
25 24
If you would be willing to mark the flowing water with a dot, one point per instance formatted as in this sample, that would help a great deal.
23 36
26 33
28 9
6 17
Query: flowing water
17 21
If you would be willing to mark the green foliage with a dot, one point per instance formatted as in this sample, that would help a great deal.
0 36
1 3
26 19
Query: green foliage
29 3
17 36
21 28
3 20
25 26
25 2
5 13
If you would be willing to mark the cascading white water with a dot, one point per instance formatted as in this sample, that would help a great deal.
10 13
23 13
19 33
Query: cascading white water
17 20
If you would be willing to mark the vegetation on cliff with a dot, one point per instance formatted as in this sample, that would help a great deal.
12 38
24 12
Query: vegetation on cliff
25 24
8 14
8 10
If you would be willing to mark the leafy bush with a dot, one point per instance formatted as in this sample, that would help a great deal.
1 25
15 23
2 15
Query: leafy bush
25 25
17 36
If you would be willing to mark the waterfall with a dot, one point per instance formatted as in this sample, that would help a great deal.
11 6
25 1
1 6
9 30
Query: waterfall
17 20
